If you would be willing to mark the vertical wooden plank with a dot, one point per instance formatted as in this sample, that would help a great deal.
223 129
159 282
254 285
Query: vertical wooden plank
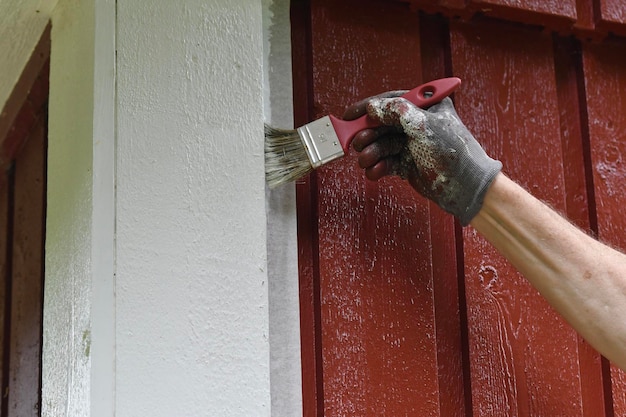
578 183
27 280
585 23
605 85
6 201
378 333
523 356
451 339
522 100
26 117
306 200
310 308
567 68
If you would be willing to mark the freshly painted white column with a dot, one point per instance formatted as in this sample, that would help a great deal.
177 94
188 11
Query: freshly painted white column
103 305
68 292
192 334
157 272
79 300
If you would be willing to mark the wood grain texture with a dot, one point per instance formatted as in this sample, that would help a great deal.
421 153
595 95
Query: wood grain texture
407 319
605 85
549 8
585 25
27 117
306 200
612 16
27 278
309 289
6 238
451 8
523 355
557 15
379 337
448 289
586 19
32 70
579 194
553 14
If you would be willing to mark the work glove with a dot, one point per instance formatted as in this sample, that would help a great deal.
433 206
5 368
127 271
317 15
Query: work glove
432 149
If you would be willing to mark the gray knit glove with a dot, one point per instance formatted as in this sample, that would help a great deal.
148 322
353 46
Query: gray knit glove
432 149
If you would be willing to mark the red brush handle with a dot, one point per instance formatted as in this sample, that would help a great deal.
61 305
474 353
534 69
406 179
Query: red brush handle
423 96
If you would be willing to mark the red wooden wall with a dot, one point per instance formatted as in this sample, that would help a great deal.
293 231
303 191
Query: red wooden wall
23 145
403 311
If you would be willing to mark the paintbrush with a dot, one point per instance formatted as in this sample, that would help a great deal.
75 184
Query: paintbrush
291 154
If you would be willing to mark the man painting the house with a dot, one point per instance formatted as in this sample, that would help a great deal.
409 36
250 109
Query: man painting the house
583 279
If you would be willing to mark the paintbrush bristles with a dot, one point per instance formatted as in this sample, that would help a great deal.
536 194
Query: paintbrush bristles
285 156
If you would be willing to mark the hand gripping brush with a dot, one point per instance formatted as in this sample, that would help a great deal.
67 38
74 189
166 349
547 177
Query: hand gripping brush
291 154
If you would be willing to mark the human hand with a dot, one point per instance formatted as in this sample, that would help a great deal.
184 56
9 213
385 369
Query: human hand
432 149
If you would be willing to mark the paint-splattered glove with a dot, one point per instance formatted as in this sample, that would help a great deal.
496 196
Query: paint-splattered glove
431 148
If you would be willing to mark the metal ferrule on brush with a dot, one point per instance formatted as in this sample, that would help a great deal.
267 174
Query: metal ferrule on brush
321 141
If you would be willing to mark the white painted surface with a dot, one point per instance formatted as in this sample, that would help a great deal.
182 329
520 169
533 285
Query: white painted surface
192 293
79 305
286 369
103 306
68 286
156 298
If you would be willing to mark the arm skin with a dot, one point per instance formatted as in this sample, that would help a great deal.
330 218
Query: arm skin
584 280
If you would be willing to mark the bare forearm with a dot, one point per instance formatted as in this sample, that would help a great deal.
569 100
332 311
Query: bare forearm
584 280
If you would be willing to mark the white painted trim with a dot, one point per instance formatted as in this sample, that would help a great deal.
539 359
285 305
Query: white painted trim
282 242
113 335
103 314
69 268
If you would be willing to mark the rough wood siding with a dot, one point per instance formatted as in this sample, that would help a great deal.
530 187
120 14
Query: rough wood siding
404 312
23 146
605 85
523 357
24 374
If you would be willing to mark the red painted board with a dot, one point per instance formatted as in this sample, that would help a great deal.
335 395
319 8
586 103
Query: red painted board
35 68
555 8
554 14
451 8
574 139
585 23
360 49
605 85
448 294
523 356
570 16
379 338
26 117
6 198
310 322
306 199
613 10
612 16
27 279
